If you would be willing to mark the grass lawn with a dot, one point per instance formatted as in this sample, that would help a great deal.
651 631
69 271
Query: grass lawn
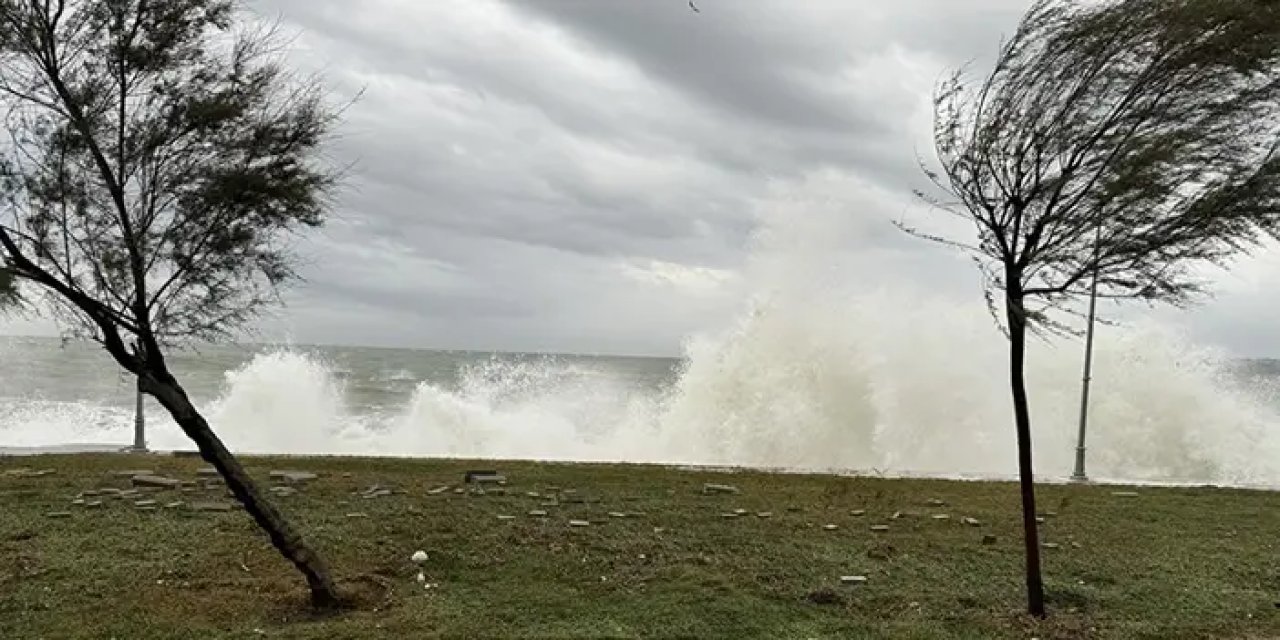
1169 563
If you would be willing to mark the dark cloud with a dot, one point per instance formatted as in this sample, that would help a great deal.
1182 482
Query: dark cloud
591 175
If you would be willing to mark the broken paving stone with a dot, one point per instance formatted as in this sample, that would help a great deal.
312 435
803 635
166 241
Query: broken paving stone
579 523
973 522
484 477
293 476
129 473
853 580
538 513
879 527
58 514
144 480
438 490
988 539
710 488
1125 494
210 506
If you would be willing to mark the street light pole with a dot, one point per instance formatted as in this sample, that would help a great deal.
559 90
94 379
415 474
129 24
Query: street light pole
1079 475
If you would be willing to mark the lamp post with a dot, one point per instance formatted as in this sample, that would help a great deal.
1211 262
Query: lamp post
1078 475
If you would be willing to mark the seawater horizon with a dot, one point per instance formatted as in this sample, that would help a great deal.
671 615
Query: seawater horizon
773 391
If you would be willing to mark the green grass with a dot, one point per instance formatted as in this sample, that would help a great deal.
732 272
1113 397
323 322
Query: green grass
1171 563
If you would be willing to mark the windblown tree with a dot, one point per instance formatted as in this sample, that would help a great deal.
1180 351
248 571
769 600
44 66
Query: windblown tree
159 155
1127 141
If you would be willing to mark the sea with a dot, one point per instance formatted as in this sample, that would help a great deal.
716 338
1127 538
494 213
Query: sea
861 391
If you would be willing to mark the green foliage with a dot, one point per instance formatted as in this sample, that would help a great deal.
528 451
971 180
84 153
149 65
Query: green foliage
161 157
1133 139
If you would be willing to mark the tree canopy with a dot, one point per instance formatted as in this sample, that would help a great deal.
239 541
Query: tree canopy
1128 139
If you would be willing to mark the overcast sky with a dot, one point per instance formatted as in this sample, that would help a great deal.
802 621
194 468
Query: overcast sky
589 175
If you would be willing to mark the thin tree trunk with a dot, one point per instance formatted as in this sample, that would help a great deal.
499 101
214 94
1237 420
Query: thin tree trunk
283 536
1016 314
139 420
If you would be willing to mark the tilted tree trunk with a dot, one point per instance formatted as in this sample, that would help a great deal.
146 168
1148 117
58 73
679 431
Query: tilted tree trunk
166 390
1016 314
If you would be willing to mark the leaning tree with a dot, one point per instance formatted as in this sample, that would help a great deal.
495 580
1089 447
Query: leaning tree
1122 141
158 156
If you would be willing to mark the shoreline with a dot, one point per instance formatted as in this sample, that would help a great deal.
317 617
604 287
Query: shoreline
125 449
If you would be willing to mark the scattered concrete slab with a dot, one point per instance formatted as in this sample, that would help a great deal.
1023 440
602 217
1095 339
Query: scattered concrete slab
973 522
729 515
880 527
579 523
830 527
941 516
858 512
284 491
934 502
617 514
78 502
418 557
988 539
26 472
174 505
211 506
147 508
357 514
58 514
853 580
1051 545
712 488
438 490
208 472
1125 494
89 493
533 494
144 503
146 480
1040 520
93 504
484 477
538 513
741 512
293 477
765 514
506 517
129 473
